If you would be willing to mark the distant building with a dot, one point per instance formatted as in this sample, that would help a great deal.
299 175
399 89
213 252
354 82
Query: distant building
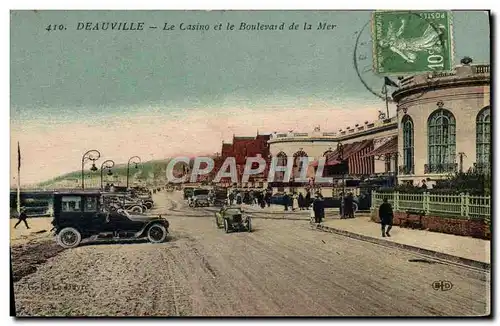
444 123
368 148
240 148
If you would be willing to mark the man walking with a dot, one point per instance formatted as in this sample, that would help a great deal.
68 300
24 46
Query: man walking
318 208
386 215
22 218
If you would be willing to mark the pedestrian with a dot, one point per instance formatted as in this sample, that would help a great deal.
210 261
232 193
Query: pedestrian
386 215
342 205
424 184
349 206
318 208
22 218
295 201
238 198
262 199
301 201
308 199
268 198
286 200
231 198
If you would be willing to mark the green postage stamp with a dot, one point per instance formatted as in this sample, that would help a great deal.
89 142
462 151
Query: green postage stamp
412 42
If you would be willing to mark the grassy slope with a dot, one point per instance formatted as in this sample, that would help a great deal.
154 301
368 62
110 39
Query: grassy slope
146 169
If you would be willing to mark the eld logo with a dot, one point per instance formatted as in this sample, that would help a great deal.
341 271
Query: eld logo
442 285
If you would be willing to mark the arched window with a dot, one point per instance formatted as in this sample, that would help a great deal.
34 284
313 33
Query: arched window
483 140
297 156
441 142
297 164
408 152
281 161
282 158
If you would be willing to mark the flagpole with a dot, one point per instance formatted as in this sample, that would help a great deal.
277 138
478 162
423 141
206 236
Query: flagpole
386 101
18 179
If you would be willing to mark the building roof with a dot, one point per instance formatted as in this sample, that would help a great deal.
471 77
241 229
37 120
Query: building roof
388 147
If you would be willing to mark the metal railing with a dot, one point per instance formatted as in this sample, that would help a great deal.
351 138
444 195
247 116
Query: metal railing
458 206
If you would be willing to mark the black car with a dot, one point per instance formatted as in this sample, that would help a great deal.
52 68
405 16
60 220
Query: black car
188 192
80 215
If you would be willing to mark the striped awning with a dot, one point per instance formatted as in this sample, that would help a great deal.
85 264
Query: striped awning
357 162
334 158
389 147
355 154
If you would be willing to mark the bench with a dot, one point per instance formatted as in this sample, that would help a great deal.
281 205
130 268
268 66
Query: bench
413 219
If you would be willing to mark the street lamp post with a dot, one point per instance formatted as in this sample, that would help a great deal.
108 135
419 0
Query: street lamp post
92 155
108 164
128 165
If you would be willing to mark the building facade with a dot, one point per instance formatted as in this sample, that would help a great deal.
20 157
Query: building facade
368 149
240 148
444 124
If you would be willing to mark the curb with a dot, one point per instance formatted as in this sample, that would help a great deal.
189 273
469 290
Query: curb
282 218
427 252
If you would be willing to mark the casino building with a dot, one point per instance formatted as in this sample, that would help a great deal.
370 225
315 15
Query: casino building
444 123
442 126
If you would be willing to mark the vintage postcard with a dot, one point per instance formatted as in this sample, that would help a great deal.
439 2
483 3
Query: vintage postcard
250 163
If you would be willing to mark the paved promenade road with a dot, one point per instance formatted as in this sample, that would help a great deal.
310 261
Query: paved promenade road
283 268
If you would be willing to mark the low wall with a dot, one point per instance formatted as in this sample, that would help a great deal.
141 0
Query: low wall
475 228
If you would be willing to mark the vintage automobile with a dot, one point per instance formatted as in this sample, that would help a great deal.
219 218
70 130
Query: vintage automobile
135 193
233 218
80 215
200 198
134 205
188 192
219 197
147 200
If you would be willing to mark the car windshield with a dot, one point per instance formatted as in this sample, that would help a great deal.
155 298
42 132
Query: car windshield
201 192
233 211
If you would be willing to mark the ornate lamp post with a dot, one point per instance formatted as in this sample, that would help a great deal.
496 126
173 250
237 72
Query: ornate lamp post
130 160
108 164
92 155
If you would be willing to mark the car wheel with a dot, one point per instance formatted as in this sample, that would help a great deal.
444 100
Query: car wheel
249 225
226 225
157 233
136 209
149 205
69 237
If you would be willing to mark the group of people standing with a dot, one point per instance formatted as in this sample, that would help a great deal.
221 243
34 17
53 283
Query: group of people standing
297 201
347 206
253 197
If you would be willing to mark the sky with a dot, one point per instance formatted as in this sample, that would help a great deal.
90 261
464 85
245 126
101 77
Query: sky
158 93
